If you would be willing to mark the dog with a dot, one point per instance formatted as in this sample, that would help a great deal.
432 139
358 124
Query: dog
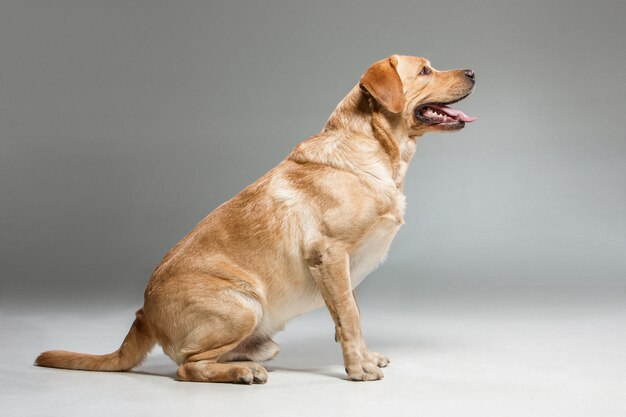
303 235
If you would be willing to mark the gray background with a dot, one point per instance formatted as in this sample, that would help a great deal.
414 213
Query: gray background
123 123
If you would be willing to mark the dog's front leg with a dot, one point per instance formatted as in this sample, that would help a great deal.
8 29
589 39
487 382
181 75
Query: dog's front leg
330 266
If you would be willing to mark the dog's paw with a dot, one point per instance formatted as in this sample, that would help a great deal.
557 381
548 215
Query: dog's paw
364 371
259 374
243 375
380 360
248 372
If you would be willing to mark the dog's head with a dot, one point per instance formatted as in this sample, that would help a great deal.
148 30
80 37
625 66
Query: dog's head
410 87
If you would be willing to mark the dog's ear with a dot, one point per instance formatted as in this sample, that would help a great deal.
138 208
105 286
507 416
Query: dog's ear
382 82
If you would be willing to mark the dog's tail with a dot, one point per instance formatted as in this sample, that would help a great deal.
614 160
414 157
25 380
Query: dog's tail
134 349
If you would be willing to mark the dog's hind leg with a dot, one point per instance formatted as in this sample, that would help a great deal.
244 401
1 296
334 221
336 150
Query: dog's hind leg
209 330
205 352
198 318
233 372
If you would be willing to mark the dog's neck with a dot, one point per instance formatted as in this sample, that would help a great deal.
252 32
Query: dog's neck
361 137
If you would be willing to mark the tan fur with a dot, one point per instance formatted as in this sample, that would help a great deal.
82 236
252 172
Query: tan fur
303 235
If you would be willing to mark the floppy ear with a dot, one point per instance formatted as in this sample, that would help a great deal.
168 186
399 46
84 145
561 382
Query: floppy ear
382 82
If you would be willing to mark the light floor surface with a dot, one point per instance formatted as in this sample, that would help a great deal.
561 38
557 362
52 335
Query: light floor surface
484 354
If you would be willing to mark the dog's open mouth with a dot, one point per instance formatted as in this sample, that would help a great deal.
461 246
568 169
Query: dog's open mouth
441 114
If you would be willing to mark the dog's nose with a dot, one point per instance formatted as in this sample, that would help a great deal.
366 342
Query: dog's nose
469 73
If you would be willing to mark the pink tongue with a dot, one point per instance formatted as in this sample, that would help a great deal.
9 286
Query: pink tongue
457 114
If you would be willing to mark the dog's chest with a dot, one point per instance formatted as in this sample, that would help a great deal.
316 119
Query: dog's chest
372 248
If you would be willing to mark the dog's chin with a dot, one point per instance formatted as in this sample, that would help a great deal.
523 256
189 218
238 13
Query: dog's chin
440 116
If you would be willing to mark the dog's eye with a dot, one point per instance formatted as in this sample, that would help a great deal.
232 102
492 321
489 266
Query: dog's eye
425 71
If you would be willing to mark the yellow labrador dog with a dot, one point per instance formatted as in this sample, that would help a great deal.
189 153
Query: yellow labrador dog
303 235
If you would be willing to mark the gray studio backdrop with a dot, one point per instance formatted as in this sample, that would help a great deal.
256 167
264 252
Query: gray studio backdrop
123 123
